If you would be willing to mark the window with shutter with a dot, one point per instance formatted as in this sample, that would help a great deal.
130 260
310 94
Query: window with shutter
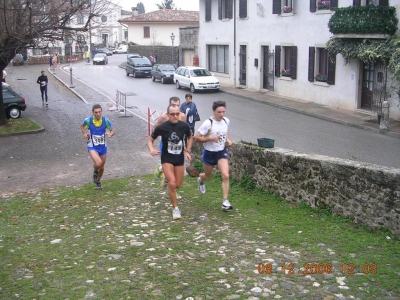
146 32
242 9
208 10
225 9
282 6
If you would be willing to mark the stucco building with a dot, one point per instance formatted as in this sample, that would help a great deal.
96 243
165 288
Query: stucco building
279 46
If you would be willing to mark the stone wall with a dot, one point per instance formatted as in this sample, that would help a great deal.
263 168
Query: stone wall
366 193
45 59
163 53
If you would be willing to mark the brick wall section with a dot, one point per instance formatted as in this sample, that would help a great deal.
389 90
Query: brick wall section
366 193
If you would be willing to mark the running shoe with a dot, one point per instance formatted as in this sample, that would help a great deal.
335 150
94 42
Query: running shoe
98 185
176 213
202 186
95 174
157 172
226 205
178 196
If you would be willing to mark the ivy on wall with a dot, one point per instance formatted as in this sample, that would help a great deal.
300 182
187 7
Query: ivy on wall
369 50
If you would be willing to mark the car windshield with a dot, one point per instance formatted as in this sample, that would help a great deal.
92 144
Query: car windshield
144 62
200 72
100 55
167 68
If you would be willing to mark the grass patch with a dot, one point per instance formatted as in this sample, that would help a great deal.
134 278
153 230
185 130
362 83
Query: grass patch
19 125
121 243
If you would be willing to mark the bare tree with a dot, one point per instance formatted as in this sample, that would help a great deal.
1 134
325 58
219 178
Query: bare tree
167 4
36 23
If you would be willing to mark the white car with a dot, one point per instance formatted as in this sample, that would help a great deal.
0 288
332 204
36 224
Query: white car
195 78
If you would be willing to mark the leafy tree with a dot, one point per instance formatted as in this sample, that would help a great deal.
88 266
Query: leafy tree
141 8
26 24
167 4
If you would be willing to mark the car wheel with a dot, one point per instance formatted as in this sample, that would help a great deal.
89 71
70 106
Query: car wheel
127 73
153 78
177 84
14 112
162 80
192 89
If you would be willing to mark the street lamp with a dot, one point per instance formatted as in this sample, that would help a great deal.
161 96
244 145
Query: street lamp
70 40
172 40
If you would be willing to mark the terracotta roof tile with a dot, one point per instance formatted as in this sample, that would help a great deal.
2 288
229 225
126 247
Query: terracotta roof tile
164 15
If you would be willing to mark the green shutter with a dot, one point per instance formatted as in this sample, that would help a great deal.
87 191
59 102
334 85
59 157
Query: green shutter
277 60
293 62
331 69
313 5
311 63
208 10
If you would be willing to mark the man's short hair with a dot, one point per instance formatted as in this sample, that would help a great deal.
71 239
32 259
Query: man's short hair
217 104
174 99
169 106
96 106
189 95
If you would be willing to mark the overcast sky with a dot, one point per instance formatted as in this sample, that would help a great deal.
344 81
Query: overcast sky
150 5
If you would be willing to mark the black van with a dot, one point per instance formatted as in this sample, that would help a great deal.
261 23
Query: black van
138 66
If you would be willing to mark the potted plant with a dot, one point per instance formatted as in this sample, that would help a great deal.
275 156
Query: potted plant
325 4
321 77
287 9
286 72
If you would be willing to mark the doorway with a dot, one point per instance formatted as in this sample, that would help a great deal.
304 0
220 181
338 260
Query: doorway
268 69
373 87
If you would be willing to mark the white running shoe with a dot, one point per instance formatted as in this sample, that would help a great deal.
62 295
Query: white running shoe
202 186
176 213
226 205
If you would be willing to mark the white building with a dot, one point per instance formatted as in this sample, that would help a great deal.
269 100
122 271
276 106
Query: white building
156 27
279 46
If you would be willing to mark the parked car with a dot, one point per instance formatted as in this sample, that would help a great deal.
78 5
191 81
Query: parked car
100 58
104 50
163 72
122 49
14 103
195 78
131 55
18 60
138 66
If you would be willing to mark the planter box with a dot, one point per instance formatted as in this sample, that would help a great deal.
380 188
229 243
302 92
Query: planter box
266 143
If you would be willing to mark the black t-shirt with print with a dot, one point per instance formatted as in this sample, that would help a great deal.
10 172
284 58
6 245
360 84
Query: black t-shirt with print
172 137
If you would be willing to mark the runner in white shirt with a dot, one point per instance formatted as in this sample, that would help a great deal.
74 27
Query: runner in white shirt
213 133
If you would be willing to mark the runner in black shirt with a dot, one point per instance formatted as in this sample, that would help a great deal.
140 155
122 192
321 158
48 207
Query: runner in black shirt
43 81
172 133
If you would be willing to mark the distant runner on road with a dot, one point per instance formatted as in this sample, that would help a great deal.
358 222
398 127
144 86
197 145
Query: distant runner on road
94 129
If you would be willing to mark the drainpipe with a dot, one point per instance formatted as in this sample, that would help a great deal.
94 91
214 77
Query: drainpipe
234 43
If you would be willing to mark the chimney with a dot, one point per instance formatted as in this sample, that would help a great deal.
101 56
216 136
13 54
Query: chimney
135 12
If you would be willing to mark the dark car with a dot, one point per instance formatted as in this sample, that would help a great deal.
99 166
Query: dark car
163 72
100 58
14 103
138 67
18 60
104 50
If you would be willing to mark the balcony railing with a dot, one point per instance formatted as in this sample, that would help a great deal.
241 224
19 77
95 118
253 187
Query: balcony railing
364 20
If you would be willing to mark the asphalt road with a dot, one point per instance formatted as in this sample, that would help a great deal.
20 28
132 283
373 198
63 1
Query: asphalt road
250 119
